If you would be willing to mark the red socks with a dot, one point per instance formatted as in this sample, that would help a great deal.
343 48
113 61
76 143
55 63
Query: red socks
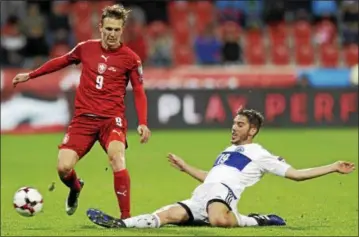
122 190
71 180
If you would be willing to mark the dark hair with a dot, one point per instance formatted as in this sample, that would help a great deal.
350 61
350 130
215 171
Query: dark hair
115 11
254 117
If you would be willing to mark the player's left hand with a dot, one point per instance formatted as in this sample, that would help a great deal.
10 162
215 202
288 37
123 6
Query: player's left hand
144 132
344 167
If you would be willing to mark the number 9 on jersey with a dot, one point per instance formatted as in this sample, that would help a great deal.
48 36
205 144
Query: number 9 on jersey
99 82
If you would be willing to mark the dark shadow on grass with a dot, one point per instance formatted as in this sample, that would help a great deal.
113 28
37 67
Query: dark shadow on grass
37 228
89 226
184 231
305 227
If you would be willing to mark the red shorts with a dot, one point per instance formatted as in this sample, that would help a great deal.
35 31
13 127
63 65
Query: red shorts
85 130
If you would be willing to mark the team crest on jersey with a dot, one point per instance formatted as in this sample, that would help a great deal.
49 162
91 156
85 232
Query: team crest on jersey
240 149
101 68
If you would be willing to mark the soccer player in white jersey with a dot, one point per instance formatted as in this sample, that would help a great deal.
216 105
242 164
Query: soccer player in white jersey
214 202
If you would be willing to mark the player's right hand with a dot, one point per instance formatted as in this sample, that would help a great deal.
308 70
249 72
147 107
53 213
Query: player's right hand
176 162
20 78
344 167
144 132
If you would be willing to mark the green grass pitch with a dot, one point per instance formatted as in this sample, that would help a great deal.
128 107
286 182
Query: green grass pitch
325 206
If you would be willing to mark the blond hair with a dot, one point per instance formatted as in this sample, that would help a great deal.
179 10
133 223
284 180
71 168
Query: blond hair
116 11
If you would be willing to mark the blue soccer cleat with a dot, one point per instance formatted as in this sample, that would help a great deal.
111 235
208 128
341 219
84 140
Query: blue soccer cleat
268 220
100 218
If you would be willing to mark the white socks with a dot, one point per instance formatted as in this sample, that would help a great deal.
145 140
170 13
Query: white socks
246 221
143 221
153 221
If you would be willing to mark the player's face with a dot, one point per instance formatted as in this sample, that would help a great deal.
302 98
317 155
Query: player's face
111 30
242 131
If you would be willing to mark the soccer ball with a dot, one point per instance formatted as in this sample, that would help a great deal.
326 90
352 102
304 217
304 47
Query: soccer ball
28 201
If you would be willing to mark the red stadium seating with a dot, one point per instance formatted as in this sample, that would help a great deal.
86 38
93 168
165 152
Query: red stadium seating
183 55
329 55
280 54
178 10
81 9
253 37
351 55
181 33
278 33
304 54
81 13
204 13
302 32
325 32
255 54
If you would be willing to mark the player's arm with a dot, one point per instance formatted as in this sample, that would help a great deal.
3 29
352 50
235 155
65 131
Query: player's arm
181 165
342 167
50 66
136 79
278 166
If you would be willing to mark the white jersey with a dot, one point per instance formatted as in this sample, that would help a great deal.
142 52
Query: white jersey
242 166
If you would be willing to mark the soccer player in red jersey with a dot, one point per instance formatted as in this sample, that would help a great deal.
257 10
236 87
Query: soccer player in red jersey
108 67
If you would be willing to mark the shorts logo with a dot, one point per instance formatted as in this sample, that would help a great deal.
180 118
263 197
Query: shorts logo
66 138
118 133
101 68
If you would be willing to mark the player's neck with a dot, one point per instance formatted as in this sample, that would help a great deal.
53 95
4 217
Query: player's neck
243 143
107 48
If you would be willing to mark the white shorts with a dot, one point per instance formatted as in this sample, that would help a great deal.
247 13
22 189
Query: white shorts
202 196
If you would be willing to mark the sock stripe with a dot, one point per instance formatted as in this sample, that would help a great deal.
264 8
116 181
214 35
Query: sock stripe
158 220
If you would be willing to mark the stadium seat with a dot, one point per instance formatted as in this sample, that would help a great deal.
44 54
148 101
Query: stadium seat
81 9
329 55
204 14
351 55
253 37
302 32
325 33
178 10
278 33
183 55
255 54
82 25
304 54
280 54
181 33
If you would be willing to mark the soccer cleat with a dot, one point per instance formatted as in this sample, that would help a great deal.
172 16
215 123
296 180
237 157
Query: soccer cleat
100 218
72 200
267 220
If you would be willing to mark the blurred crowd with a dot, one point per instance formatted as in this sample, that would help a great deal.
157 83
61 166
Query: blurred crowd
302 32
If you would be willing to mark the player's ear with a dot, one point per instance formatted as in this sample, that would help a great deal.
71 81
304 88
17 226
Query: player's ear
100 27
252 131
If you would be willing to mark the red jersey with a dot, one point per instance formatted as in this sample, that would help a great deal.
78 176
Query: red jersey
104 78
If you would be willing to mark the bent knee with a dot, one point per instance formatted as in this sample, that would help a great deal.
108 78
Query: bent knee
116 155
172 214
67 159
220 221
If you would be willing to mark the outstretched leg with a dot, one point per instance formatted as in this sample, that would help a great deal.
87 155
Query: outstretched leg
175 214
